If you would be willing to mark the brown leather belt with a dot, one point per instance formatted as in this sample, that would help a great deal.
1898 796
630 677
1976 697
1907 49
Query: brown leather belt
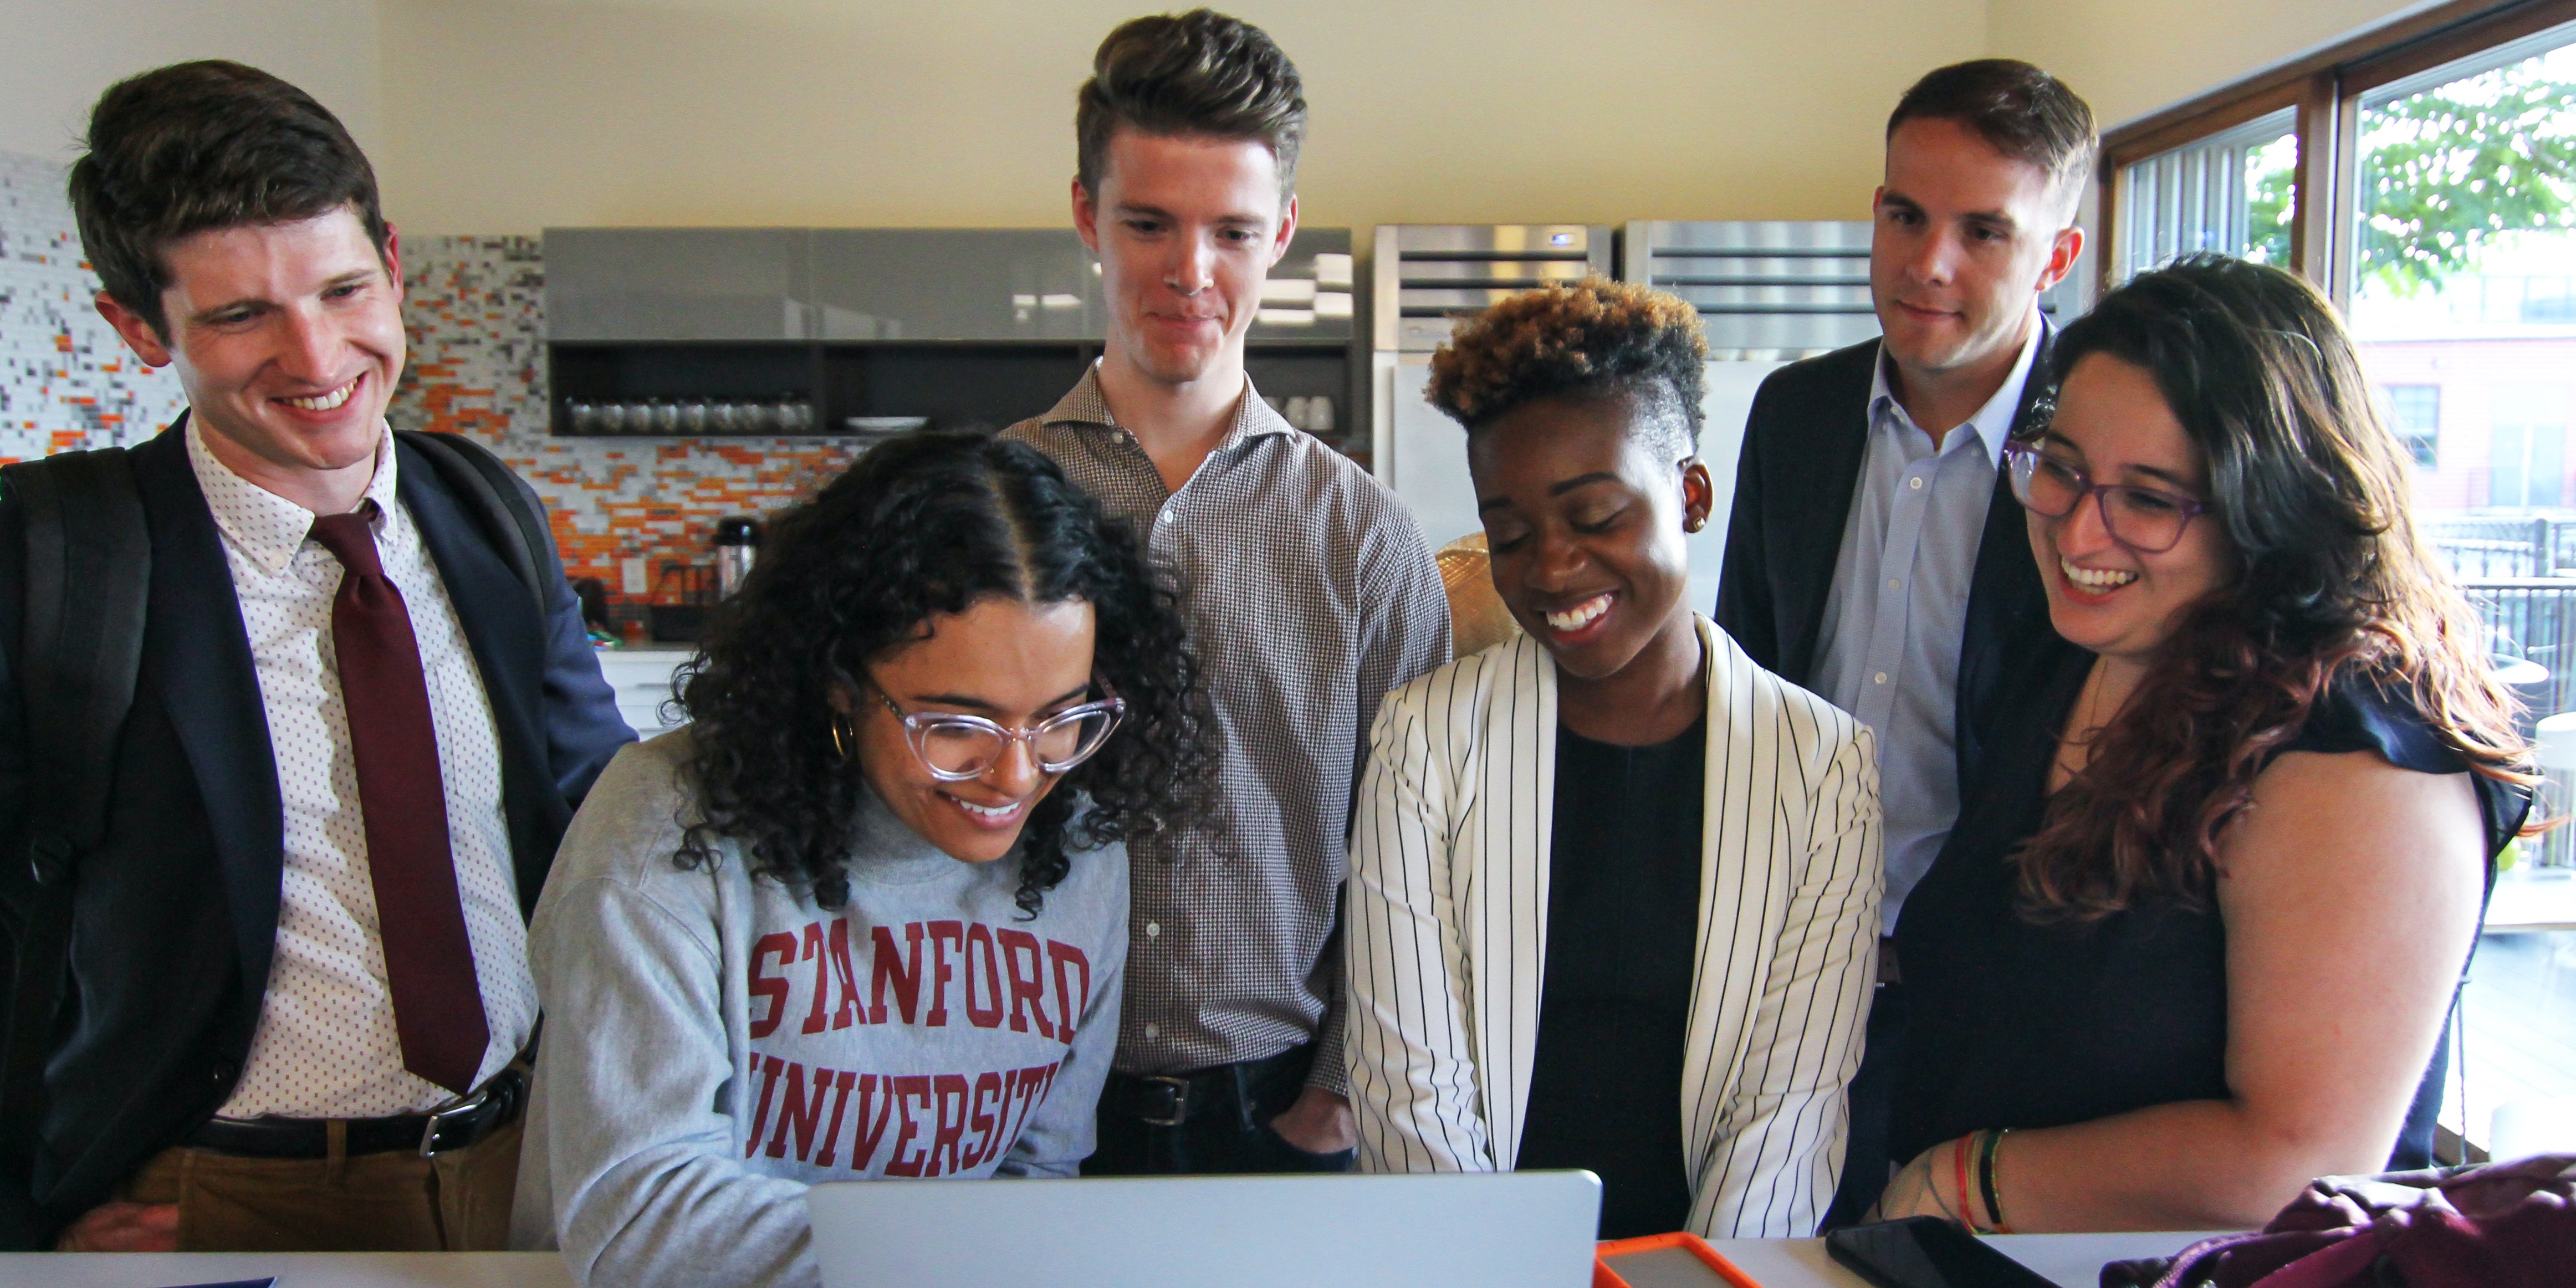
465 1123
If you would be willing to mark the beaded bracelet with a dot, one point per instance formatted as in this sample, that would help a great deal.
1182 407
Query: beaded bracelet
1959 1158
1989 1170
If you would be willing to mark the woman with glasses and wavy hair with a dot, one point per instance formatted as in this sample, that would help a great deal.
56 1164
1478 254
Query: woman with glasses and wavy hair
866 916
2196 934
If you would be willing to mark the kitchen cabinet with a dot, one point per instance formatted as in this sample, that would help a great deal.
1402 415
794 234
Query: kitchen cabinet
678 284
643 680
689 332
915 284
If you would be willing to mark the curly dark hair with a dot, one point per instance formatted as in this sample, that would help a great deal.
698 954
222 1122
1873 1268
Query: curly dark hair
924 525
1589 339
2332 585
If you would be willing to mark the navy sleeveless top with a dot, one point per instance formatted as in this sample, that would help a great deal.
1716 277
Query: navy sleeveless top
2011 1024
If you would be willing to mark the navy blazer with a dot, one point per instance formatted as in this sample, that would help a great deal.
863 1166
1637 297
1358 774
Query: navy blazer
175 914
1804 444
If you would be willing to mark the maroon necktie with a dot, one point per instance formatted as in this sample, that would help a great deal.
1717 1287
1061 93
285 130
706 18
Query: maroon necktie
429 962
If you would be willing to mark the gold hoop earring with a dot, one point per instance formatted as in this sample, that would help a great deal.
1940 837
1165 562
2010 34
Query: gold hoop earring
841 743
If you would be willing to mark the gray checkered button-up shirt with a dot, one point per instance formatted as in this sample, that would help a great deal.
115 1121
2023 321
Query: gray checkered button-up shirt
1309 593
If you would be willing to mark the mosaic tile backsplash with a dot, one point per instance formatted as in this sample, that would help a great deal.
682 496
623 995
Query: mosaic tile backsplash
66 380
475 311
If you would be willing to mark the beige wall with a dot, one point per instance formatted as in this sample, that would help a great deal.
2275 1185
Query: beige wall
504 116
2130 57
509 116
56 55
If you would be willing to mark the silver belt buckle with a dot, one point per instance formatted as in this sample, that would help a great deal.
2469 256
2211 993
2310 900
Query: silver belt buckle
1179 1088
440 1118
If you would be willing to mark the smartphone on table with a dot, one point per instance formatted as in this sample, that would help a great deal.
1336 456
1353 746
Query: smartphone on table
1926 1252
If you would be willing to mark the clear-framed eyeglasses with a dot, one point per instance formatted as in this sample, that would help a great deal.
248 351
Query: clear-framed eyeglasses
955 747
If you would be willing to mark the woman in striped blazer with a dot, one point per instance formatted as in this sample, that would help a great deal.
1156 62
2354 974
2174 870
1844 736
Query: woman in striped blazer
1614 888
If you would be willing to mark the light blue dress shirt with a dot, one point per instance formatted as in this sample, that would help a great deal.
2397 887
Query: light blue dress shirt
1888 652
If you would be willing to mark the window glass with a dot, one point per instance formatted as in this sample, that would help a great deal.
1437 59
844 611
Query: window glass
2415 412
2229 192
2462 257
2463 262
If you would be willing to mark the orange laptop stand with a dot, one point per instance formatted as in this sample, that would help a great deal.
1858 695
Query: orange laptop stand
1605 1277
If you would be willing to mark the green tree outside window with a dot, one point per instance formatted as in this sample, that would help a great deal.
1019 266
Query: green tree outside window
2443 173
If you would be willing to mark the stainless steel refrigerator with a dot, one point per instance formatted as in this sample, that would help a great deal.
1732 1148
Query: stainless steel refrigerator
1768 293
1426 277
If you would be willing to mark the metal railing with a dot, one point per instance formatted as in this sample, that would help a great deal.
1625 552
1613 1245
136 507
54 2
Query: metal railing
2533 619
2482 547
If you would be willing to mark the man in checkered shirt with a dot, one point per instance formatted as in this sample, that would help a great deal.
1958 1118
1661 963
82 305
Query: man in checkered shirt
1308 589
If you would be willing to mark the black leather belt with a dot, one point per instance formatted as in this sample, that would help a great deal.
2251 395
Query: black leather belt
453 1127
1172 1100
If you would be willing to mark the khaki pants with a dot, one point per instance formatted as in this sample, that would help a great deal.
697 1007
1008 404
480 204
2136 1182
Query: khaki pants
395 1201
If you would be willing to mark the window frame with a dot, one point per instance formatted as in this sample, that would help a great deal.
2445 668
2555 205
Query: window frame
2326 87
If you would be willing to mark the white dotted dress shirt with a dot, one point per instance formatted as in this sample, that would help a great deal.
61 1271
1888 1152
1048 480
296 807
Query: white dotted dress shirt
326 1045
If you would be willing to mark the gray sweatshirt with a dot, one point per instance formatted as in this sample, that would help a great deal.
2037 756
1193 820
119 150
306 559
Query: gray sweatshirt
714 1043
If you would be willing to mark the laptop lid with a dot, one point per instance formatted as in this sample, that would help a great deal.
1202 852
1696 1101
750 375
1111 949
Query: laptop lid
1507 1230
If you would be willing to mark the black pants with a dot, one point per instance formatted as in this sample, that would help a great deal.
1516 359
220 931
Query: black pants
1873 1092
1212 1121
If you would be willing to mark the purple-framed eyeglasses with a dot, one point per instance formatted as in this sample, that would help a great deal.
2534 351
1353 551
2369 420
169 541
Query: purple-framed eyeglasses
2145 519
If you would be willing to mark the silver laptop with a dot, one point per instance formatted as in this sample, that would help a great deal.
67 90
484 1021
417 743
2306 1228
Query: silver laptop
1511 1230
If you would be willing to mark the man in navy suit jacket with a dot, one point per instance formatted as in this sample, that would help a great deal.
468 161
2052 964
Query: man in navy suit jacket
1875 554
260 1046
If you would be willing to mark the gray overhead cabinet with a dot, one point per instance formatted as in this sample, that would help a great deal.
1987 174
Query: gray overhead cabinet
955 284
678 284
866 330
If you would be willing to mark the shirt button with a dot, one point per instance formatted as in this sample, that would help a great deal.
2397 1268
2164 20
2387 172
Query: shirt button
1153 930
1164 517
1153 1030
1915 483
1894 583
1880 678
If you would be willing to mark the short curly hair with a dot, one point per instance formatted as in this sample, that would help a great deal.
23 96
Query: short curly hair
1595 338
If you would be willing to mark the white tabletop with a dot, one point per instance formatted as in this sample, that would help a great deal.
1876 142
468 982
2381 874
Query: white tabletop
2074 1260
293 1270
2533 899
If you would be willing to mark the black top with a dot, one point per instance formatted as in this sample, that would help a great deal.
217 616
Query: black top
1614 1011
2012 1024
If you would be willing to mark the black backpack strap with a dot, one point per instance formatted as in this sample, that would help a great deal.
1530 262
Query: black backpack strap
493 492
88 581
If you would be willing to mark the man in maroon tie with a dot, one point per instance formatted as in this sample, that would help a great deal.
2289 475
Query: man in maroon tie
298 993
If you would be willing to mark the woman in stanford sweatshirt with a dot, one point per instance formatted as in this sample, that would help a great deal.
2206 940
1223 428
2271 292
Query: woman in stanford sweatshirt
866 916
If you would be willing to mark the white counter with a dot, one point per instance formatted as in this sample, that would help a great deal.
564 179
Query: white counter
642 678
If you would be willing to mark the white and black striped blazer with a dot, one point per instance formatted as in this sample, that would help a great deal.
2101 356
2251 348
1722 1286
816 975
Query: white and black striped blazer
1446 931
